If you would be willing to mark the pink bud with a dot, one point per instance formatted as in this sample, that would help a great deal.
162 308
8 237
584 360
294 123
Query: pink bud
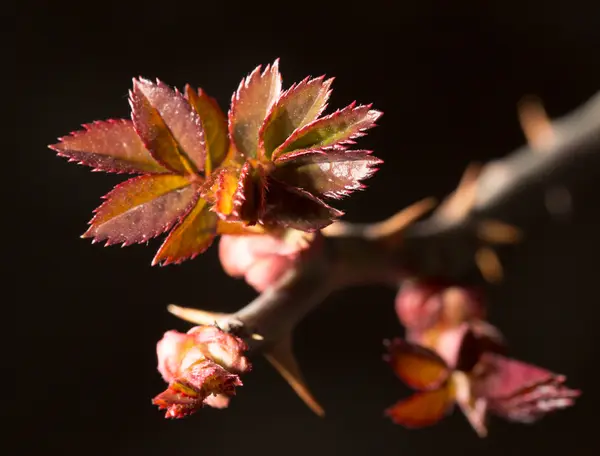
422 304
261 259
200 367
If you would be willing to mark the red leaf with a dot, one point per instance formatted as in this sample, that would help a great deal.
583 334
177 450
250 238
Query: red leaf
504 377
250 105
291 207
296 107
111 146
422 409
337 129
333 173
186 394
249 197
519 391
191 237
535 402
417 366
168 126
141 208
214 124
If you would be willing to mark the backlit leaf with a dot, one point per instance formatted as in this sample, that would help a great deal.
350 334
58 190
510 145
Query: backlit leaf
422 409
192 235
111 146
214 124
168 126
141 208
220 188
333 173
250 105
297 106
292 207
339 128
417 366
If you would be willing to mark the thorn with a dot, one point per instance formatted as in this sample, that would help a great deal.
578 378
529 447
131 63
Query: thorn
196 316
536 124
283 360
497 232
460 202
489 265
398 222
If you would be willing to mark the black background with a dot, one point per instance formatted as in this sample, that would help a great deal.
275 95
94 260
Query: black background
447 75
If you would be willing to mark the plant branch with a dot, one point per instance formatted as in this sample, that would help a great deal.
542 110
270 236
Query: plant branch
489 204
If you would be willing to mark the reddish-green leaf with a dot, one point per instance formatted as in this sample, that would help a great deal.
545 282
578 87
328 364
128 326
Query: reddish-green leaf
214 123
112 146
422 409
337 129
141 208
250 105
332 173
168 126
296 107
417 366
292 207
192 236
220 188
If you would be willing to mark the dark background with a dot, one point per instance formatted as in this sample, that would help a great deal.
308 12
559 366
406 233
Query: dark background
447 75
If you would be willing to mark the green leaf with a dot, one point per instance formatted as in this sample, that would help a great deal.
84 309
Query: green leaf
296 107
141 208
250 105
191 237
214 124
168 126
332 173
112 146
337 129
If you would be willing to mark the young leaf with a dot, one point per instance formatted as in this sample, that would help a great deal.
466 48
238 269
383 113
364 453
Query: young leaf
296 107
168 126
417 366
192 235
141 208
186 394
291 207
249 197
214 124
339 128
519 391
220 189
422 409
333 173
112 146
250 105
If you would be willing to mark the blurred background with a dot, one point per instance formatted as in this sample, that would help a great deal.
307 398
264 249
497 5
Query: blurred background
448 76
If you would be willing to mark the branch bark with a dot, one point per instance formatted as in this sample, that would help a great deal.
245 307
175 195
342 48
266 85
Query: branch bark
515 191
